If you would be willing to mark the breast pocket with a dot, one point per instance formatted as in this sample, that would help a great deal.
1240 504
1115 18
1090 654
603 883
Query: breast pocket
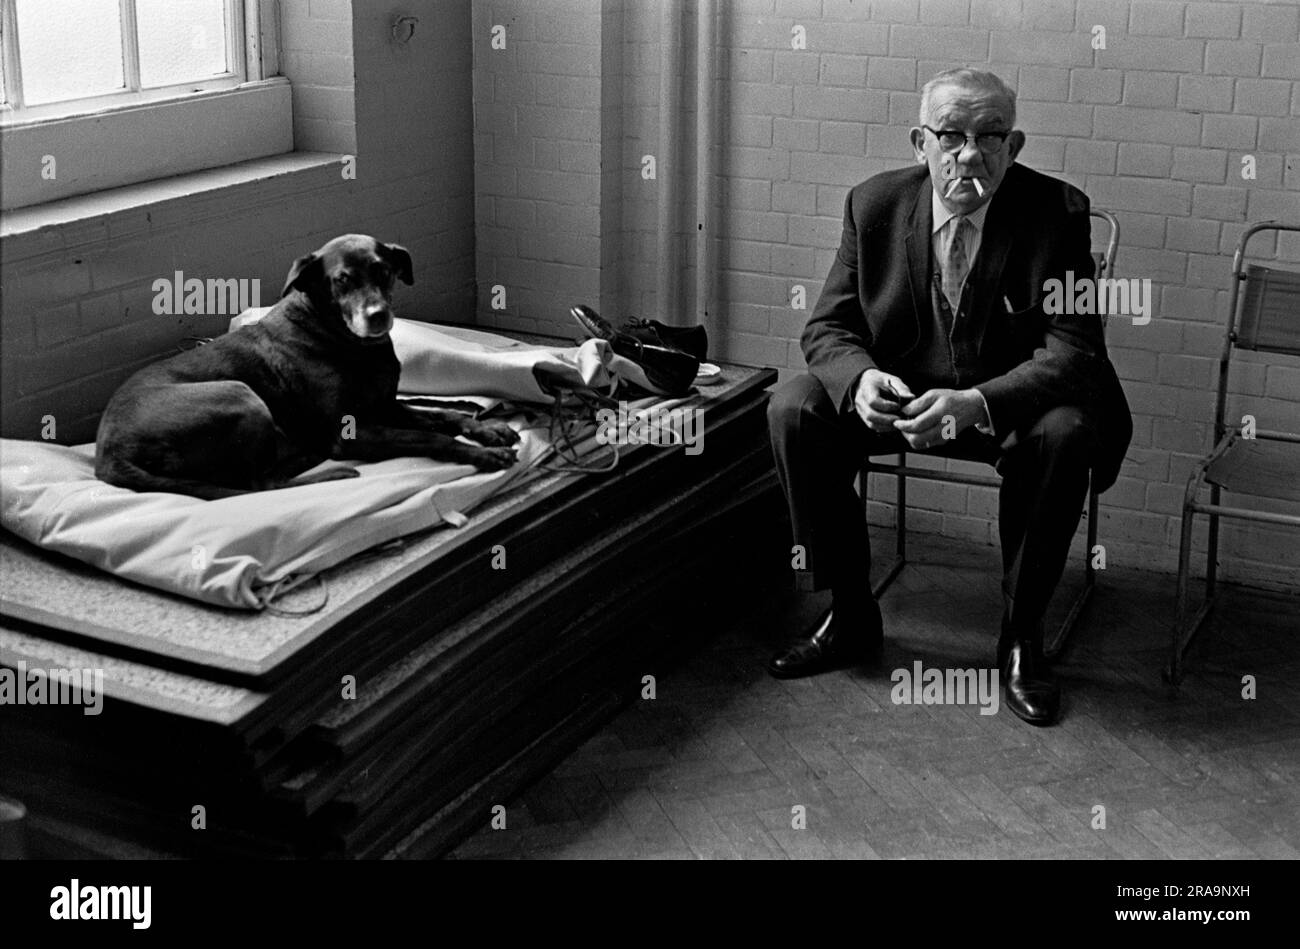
1022 328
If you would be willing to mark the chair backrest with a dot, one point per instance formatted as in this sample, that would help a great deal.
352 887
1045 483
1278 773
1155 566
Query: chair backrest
1270 311
1263 310
1105 258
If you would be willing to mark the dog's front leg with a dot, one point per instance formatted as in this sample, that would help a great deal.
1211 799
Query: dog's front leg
372 442
400 415
493 433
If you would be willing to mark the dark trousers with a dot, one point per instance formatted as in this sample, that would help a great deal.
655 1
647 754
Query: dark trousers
820 451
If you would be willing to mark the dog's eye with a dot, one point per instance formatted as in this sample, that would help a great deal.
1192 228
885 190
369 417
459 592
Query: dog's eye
343 280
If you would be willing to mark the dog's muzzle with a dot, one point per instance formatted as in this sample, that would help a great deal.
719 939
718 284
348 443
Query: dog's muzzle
373 324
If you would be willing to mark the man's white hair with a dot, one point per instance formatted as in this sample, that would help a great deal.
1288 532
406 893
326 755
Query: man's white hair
976 80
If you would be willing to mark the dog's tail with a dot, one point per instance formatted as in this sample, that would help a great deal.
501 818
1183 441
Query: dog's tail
126 474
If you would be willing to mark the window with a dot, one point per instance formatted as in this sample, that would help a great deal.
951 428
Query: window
102 86
62 57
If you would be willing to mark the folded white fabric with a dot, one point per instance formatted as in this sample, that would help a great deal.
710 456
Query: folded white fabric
234 552
444 360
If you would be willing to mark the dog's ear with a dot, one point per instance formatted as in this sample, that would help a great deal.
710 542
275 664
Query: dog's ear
305 272
399 258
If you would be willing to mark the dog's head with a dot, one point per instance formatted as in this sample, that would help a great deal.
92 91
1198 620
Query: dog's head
352 276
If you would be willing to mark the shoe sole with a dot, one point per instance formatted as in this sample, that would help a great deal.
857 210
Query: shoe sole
835 665
1036 722
801 673
592 323
673 372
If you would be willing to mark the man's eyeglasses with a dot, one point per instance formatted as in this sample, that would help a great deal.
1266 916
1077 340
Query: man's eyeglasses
950 140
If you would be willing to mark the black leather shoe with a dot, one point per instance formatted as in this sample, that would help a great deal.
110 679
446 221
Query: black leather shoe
1030 690
1008 637
668 371
832 643
593 323
693 340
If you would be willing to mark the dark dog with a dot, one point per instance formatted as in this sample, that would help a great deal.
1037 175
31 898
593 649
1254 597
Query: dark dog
315 379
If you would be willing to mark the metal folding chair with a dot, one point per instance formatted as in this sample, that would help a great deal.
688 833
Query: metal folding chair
1105 267
1265 465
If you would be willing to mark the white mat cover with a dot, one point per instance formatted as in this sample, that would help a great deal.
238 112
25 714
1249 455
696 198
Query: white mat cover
231 552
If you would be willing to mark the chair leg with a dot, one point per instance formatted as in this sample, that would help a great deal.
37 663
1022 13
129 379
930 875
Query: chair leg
900 542
900 512
1090 572
1174 673
1212 565
1059 640
1182 633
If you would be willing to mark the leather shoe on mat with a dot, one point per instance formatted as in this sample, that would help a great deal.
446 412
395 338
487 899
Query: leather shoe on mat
595 325
832 643
1031 691
692 340
669 371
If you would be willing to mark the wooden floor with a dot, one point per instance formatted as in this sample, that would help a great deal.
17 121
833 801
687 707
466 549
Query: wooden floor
714 766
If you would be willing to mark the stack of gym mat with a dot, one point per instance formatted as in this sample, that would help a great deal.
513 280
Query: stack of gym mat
445 673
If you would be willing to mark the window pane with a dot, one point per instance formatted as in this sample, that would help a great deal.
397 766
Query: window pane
69 48
181 40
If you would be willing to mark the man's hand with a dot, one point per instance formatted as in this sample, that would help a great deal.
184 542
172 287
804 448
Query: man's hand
939 414
879 399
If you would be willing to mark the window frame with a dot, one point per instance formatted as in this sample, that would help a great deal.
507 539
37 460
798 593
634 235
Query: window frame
15 111
252 43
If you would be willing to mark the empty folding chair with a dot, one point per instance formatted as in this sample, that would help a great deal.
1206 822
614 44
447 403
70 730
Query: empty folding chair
1259 463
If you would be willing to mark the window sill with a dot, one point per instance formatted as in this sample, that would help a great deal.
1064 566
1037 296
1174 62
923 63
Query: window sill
59 226
54 159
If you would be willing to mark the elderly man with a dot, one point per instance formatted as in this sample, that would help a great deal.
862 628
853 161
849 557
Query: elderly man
930 334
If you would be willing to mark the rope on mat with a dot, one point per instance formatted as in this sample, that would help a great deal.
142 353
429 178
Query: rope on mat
566 422
278 588
389 549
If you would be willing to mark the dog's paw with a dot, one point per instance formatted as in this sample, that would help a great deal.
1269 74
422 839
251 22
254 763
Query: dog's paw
494 459
493 433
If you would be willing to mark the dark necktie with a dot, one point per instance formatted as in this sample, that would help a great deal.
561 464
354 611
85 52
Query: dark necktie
954 269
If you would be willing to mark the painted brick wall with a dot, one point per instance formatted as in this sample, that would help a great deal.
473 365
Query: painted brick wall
75 299
1154 127
537 152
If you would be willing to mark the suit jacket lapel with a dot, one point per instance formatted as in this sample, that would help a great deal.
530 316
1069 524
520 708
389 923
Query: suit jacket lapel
918 257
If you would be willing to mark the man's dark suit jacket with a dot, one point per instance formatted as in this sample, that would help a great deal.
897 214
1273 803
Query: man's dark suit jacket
878 292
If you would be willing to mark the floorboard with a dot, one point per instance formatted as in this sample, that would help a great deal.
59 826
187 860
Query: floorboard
712 768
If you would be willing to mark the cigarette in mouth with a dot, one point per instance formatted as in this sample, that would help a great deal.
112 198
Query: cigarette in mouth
979 188
952 186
